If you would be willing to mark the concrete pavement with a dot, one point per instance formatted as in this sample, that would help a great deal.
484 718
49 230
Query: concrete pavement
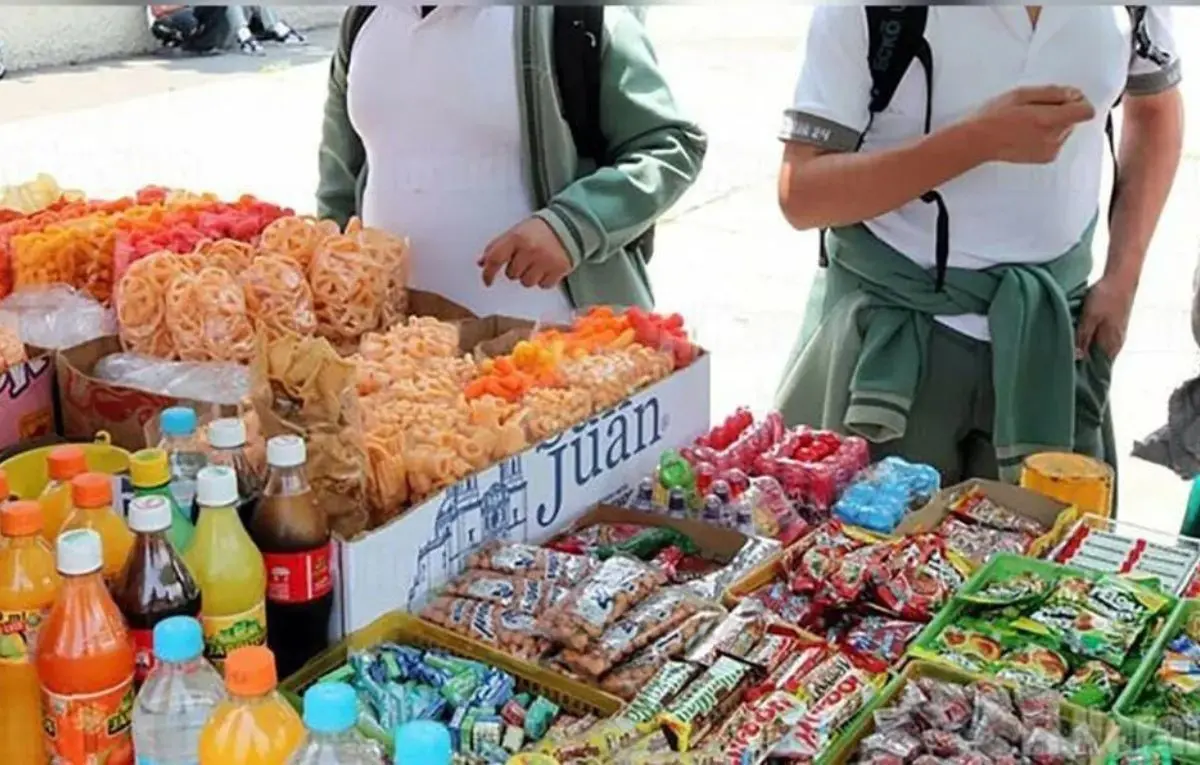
725 259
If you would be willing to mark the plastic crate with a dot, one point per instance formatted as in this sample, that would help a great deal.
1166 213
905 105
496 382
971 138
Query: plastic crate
1007 565
1143 733
406 629
1102 727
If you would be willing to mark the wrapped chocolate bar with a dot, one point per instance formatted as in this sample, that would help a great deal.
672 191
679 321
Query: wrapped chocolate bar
604 596
825 717
706 700
661 689
754 730
627 679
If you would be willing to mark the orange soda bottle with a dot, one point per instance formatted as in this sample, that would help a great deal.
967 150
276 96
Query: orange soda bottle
255 726
91 494
5 492
29 584
85 662
63 464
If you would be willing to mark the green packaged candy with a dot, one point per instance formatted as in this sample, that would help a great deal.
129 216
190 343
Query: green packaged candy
539 716
649 543
1019 588
1094 685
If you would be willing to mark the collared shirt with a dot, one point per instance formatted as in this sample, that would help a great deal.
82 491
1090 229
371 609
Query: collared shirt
435 100
999 212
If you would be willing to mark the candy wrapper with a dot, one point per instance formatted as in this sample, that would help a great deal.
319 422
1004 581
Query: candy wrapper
735 636
587 540
975 506
594 604
535 562
809 561
753 731
1018 589
814 466
512 592
627 679
706 700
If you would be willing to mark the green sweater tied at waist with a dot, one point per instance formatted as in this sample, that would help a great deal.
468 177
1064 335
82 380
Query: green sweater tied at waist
859 369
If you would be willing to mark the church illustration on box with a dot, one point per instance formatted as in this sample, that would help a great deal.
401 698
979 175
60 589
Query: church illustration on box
469 517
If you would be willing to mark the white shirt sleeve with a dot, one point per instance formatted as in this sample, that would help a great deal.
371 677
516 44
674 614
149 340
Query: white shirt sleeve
830 107
1147 77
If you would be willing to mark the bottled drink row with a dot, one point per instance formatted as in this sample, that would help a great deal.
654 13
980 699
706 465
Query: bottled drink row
245 557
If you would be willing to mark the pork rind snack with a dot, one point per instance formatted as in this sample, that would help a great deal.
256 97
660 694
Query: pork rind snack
301 386
278 297
516 559
297 238
655 616
206 317
619 584
513 632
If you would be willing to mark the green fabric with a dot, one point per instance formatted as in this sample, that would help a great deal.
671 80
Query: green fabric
860 368
598 213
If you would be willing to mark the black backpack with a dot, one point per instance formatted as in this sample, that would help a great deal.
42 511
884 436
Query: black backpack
896 37
578 32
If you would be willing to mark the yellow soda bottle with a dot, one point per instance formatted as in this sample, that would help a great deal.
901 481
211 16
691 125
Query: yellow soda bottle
228 568
63 464
29 583
92 497
254 726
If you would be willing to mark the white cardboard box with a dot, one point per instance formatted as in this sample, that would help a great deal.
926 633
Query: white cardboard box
528 497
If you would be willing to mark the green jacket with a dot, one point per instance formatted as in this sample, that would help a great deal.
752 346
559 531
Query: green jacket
860 368
598 213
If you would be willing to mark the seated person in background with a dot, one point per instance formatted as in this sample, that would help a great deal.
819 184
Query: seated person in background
208 28
254 24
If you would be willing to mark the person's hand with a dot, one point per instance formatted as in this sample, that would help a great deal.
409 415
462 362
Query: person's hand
1105 317
530 253
1030 125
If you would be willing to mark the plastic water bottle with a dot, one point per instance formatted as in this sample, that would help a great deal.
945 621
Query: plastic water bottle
185 453
178 697
330 714
423 742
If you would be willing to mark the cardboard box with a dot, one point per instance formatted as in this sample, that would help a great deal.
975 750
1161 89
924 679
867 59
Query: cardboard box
528 497
715 542
27 400
1057 517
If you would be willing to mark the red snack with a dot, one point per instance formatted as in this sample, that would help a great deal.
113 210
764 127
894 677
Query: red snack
993 721
878 636
1039 708
790 607
1047 747
753 731
855 573
815 466
816 556
949 706
790 674
898 744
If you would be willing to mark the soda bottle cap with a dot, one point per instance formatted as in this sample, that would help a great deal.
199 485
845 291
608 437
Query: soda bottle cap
20 519
79 552
177 421
226 433
250 671
178 638
330 708
216 486
149 514
66 462
90 490
149 468
424 742
286 451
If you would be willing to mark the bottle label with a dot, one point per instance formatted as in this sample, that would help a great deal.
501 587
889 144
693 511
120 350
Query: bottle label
94 727
18 635
223 634
299 577
143 654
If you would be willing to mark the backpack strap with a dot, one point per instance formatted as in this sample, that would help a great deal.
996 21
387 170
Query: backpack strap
895 38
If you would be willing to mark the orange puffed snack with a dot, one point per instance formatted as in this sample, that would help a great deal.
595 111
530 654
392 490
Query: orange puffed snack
206 314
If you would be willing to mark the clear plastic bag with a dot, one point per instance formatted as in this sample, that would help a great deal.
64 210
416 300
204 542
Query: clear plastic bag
224 383
56 316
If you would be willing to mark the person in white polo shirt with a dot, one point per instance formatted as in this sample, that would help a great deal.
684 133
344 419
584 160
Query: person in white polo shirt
954 156
526 151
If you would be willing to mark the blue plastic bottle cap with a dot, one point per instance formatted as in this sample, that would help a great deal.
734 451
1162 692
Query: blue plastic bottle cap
177 421
423 742
330 708
178 638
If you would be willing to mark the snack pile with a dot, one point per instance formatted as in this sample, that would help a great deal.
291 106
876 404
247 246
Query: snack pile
207 301
981 528
1079 636
880 496
488 718
1171 700
1124 549
89 245
870 596
934 721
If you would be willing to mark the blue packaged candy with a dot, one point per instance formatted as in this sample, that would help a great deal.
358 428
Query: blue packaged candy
880 497
495 690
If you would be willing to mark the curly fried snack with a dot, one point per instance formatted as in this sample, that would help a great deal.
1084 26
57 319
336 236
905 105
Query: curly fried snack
229 254
141 303
297 238
206 315
278 297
